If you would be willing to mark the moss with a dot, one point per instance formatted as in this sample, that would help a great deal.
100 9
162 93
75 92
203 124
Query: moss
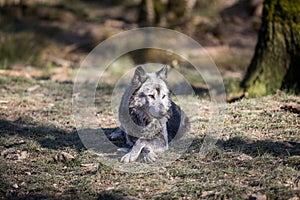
274 56
283 11
257 89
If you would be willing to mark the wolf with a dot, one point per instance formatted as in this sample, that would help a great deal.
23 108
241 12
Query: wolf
147 113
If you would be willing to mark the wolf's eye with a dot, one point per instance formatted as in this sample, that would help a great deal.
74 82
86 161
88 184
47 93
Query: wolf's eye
151 96
163 96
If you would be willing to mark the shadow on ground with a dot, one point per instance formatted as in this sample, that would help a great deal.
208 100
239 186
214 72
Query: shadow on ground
101 196
260 147
48 136
52 137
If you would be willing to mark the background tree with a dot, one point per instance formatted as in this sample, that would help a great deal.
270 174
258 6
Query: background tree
276 62
166 13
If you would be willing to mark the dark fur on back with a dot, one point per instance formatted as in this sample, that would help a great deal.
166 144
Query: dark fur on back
177 119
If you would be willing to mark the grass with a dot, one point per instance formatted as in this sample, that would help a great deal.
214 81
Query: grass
18 48
258 152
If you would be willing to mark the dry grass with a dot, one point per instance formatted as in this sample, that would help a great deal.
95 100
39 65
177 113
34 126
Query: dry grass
257 154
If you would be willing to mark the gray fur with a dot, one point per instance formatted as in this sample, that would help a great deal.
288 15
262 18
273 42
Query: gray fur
147 112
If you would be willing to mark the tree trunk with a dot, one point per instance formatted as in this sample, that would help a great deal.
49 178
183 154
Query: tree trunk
276 62
166 13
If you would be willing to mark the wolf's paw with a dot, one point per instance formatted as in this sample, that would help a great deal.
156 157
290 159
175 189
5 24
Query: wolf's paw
129 157
150 157
116 134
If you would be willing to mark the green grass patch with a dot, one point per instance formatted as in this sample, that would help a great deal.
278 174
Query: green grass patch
22 48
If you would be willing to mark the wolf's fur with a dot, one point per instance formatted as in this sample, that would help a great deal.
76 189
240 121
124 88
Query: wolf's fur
147 112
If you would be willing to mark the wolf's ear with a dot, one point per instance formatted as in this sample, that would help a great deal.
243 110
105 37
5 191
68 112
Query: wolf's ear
162 74
139 76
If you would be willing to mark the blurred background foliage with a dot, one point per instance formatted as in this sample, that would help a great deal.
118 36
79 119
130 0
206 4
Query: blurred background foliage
49 38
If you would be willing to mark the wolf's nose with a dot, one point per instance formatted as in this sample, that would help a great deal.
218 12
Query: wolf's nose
161 107
162 113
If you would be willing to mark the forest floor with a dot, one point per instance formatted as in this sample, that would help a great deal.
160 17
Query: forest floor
42 156
257 155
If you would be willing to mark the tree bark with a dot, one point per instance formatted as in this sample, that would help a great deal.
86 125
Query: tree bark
276 62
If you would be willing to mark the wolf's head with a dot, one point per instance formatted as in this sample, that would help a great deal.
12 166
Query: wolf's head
151 93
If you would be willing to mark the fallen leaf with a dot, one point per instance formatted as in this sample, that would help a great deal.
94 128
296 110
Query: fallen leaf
63 157
23 155
206 193
243 157
33 88
15 186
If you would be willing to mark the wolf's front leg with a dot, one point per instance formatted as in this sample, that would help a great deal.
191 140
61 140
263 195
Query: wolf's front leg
134 153
154 145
